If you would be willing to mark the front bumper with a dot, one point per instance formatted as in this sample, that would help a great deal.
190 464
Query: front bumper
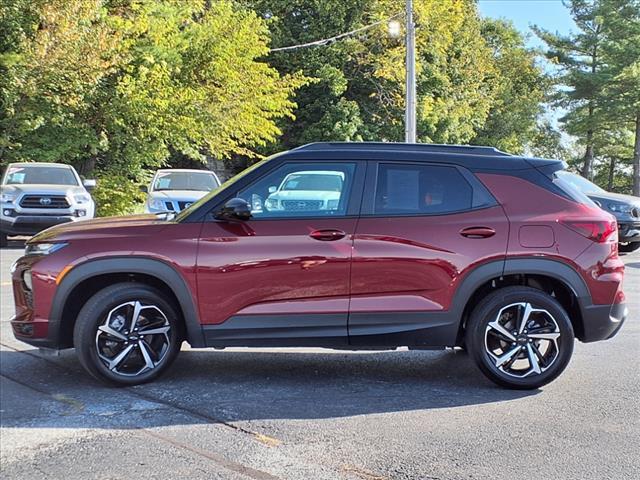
628 231
601 322
32 224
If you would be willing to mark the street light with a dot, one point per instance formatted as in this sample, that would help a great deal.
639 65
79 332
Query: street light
410 95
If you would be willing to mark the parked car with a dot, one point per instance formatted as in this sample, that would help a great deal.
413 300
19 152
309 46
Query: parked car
626 209
173 190
36 196
306 191
429 246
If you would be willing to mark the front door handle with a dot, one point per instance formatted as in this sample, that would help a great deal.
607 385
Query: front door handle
477 232
327 235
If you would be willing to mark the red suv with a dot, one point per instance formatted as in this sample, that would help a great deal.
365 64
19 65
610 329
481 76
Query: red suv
339 245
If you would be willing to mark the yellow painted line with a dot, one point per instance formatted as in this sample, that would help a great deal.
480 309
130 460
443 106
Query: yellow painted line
72 402
5 284
362 473
269 441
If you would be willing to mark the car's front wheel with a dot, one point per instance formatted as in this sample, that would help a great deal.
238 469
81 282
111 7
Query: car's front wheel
520 337
127 334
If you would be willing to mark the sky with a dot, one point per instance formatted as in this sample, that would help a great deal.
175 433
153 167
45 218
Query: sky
549 14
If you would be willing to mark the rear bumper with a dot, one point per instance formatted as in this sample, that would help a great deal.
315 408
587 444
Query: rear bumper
602 322
32 224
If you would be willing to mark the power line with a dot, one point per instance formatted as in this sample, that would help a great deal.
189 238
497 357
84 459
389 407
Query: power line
327 41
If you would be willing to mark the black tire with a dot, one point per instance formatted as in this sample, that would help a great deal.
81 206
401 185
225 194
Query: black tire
106 303
4 242
628 247
480 338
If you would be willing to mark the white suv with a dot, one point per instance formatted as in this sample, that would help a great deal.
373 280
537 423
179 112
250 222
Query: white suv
306 191
174 189
35 196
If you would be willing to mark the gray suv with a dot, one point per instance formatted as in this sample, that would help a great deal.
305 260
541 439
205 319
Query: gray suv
35 196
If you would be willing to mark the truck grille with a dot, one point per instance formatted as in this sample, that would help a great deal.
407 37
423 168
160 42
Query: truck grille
301 205
44 201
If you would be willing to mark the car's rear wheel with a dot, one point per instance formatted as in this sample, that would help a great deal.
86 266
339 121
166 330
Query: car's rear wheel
127 334
628 247
520 337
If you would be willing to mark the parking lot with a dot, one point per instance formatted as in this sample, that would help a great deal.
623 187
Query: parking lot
313 414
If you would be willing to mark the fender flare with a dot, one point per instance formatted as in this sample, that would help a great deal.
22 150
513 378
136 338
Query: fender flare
556 269
141 265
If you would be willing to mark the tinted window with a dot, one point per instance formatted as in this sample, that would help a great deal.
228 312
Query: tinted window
301 190
421 189
40 174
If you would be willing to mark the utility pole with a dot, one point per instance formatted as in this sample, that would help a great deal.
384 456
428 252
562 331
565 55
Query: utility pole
410 95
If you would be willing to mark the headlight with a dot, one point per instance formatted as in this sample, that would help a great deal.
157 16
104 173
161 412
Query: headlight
82 198
620 207
272 204
8 197
43 248
157 204
26 279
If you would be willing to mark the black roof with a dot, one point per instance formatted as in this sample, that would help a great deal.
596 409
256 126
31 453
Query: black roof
469 156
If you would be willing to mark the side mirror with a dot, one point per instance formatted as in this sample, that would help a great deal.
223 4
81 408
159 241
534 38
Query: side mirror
235 209
273 189
89 184
144 189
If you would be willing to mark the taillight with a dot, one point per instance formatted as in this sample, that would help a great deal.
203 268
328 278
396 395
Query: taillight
597 230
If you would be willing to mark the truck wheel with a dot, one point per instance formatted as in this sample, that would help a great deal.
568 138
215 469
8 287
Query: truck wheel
127 334
520 337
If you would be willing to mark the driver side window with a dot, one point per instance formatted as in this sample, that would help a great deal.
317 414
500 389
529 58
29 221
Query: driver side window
301 190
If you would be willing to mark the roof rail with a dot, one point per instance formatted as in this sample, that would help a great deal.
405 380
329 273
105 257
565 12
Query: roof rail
424 147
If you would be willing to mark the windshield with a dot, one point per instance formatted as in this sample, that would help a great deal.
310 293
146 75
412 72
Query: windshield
202 182
228 184
40 174
579 182
314 182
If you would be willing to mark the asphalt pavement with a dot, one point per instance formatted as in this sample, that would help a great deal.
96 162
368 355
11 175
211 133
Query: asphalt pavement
316 414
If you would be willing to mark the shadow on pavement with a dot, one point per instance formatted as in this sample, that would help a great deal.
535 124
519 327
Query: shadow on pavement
209 386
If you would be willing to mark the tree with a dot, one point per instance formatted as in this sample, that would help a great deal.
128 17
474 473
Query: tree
621 54
520 87
579 58
119 85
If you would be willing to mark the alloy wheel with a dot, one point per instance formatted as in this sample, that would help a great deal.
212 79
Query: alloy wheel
522 340
133 339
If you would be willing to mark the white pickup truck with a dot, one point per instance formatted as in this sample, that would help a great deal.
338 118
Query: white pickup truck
35 196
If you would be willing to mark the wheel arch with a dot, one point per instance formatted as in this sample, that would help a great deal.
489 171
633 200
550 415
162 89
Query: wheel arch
85 279
542 273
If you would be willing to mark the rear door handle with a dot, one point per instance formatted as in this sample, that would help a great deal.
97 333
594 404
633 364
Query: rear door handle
477 232
327 235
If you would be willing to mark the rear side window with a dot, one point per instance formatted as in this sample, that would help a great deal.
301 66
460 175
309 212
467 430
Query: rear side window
410 189
563 180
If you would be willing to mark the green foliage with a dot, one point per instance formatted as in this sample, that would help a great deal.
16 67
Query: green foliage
120 85
117 195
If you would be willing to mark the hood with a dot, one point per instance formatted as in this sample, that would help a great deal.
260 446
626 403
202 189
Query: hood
178 195
103 227
43 189
616 197
304 195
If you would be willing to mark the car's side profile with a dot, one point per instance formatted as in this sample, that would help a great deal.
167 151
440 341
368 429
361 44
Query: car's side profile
424 246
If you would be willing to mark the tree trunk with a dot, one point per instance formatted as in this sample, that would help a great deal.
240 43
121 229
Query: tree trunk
612 171
636 159
87 167
587 166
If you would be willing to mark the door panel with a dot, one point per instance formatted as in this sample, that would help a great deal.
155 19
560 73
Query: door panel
413 246
273 267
